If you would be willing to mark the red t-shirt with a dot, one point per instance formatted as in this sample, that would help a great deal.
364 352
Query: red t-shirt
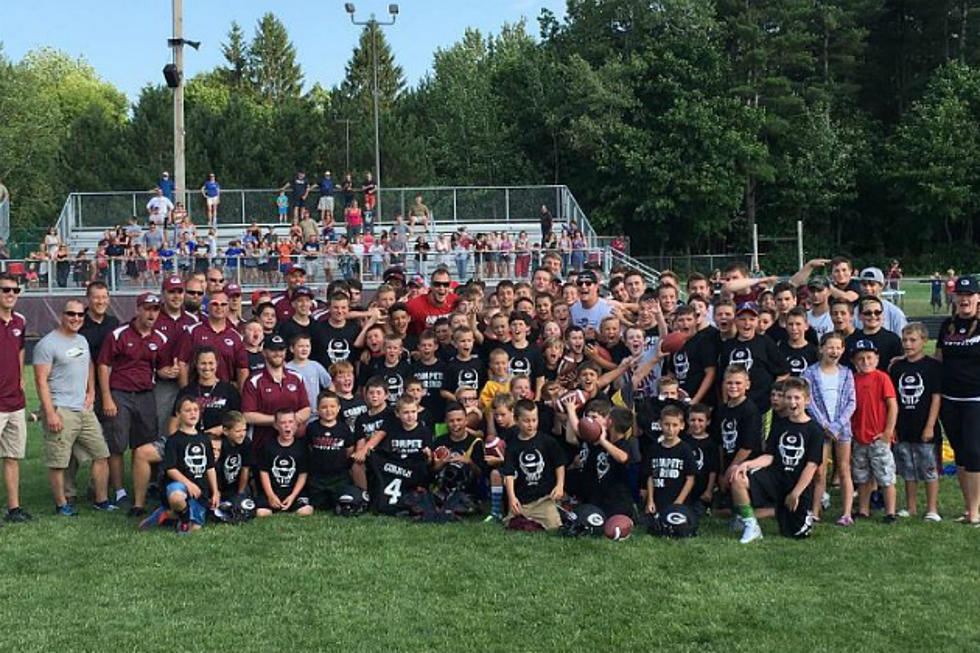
871 414
424 313
11 344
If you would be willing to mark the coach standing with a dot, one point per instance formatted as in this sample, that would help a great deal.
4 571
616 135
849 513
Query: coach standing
128 365
958 347
273 389
13 427
172 322
65 381
217 333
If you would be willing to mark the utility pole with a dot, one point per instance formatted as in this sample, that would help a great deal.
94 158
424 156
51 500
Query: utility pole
179 169
346 122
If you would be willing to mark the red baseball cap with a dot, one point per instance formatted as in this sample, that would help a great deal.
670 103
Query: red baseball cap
173 283
257 295
148 299
233 290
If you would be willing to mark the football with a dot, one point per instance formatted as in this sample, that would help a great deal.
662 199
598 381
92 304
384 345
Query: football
589 430
474 420
441 453
672 342
495 447
577 397
618 527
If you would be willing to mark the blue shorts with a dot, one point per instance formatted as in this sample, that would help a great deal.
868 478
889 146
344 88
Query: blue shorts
196 510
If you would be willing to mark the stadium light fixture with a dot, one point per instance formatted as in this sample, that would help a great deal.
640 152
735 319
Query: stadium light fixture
393 9
349 8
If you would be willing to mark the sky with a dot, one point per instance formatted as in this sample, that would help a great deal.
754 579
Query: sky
126 40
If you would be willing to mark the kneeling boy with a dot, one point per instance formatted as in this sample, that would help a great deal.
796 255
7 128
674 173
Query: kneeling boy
534 473
282 471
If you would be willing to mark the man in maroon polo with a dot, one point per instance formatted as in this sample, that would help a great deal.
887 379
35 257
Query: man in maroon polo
172 322
295 278
13 422
426 309
128 363
217 333
273 389
194 297
235 317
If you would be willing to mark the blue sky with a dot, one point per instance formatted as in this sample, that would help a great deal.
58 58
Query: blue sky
125 40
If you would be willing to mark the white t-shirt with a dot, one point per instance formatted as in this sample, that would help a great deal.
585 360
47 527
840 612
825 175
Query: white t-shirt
821 323
590 317
830 384
163 206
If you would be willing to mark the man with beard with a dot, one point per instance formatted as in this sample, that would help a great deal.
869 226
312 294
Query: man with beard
425 309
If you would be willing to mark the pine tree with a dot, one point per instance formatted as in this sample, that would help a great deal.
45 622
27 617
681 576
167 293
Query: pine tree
236 53
272 61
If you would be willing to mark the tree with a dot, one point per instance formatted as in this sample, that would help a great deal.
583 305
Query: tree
272 61
236 53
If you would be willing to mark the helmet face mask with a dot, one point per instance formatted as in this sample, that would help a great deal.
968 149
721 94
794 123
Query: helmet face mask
585 520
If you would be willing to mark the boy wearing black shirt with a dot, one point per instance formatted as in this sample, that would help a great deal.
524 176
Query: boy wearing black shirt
670 467
648 411
534 473
918 383
696 364
705 450
798 352
392 367
782 476
335 336
431 372
371 421
525 360
464 370
282 464
400 454
351 404
738 428
888 344
758 354
331 445
607 468
464 453
233 456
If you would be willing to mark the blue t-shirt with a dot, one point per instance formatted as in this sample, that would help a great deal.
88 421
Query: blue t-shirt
167 186
167 258
231 255
211 188
326 187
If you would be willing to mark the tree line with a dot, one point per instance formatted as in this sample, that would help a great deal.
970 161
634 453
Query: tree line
679 122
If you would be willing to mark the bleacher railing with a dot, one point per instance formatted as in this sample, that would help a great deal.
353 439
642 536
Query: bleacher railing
5 219
447 204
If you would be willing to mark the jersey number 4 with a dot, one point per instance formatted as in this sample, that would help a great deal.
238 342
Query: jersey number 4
393 491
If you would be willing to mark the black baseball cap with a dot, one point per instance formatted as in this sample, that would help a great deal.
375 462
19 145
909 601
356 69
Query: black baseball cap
586 275
864 345
275 341
747 307
967 285
818 283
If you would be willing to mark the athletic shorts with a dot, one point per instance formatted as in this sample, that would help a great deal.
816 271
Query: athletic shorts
325 204
916 461
297 202
135 423
13 434
301 501
873 460
164 395
961 423
80 429
212 201
768 488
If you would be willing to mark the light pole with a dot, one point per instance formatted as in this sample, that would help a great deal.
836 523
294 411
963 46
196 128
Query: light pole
374 23
174 74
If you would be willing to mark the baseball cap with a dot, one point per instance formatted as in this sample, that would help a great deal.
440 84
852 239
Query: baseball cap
233 290
275 341
173 282
967 285
818 283
303 291
865 345
872 274
394 273
586 275
747 307
297 268
148 299
257 295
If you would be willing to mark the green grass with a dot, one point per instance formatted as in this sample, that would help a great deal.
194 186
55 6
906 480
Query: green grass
372 583
915 303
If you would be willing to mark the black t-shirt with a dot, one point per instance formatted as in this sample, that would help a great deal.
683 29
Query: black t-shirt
327 447
889 346
366 424
608 481
299 188
915 384
214 401
525 362
332 344
798 359
432 378
690 363
648 412
465 374
668 468
404 443
192 456
792 446
737 427
959 341
705 452
290 329
395 377
350 409
779 335
231 461
762 359
95 332
284 464
533 464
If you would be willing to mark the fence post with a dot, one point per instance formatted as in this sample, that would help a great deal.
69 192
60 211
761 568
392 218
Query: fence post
506 205
243 208
455 217
112 273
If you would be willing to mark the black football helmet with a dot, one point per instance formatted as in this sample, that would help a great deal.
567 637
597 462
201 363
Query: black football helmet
240 508
351 501
677 520
586 519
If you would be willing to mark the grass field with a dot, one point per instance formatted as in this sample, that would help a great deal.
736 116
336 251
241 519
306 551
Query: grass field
370 583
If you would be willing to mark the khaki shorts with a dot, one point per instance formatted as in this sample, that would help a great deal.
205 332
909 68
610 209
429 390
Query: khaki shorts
325 204
543 511
13 434
80 429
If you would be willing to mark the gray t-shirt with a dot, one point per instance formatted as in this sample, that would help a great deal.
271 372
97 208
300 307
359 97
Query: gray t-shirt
69 359
590 317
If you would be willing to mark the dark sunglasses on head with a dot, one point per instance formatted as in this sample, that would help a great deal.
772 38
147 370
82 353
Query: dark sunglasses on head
196 293
870 313
10 289
75 313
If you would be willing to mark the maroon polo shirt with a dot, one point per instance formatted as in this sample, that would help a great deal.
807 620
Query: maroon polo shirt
263 394
11 344
173 328
227 342
134 358
284 306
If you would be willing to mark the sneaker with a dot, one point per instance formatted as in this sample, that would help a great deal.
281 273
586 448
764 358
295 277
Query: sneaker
156 518
136 511
904 513
17 515
492 519
752 531
932 516
845 520
737 524
105 506
890 519
877 500
962 519
123 502
183 527
861 515
65 510
825 500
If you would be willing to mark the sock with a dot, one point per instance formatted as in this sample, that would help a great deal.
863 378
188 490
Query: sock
184 515
496 500
745 512
120 494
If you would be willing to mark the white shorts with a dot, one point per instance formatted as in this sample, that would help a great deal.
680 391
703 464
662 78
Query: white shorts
325 204
212 201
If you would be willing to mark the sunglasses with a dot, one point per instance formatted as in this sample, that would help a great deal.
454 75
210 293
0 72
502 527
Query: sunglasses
871 313
75 313
583 283
196 293
216 280
6 290
219 303
440 284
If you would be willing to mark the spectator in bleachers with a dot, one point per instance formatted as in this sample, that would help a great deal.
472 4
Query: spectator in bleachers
211 191
159 207
166 185
325 203
419 213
